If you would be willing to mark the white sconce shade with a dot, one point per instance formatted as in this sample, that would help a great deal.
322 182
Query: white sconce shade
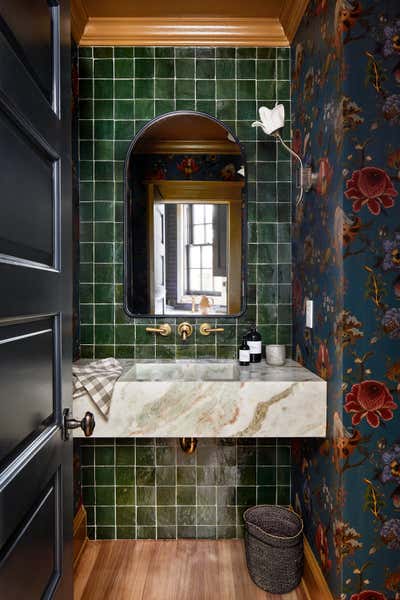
271 119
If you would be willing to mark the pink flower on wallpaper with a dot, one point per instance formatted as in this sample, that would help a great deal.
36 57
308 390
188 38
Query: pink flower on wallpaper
325 173
372 187
321 542
323 364
368 595
371 400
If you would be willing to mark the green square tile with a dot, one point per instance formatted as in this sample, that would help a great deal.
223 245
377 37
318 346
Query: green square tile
85 68
246 69
206 495
86 109
186 515
103 52
124 130
164 52
166 456
123 68
146 496
124 334
205 69
125 515
85 52
225 69
144 68
266 475
225 53
206 106
103 68
145 456
246 109
146 515
166 496
266 495
104 130
165 68
206 515
124 109
283 91
123 89
226 515
104 170
266 90
246 89
205 89
226 89
145 475
205 52
283 71
184 52
104 455
144 88
184 68
143 52
186 495
185 89
86 89
103 89
186 475
105 515
226 496
123 52
166 475
266 69
283 495
125 495
125 455
125 475
166 515
164 88
105 495
144 109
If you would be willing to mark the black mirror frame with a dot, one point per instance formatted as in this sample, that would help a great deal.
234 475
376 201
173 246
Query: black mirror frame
128 235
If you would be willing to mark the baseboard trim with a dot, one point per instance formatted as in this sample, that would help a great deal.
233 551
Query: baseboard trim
314 583
80 534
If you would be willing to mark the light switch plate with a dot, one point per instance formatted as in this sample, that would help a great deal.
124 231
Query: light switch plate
309 314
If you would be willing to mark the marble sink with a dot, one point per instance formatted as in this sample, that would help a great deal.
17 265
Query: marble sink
211 398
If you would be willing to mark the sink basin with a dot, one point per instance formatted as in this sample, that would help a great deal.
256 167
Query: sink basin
211 398
185 370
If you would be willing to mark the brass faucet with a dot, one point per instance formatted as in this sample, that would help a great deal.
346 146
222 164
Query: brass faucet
163 330
185 330
206 329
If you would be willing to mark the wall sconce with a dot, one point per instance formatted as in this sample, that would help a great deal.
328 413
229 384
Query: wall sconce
272 120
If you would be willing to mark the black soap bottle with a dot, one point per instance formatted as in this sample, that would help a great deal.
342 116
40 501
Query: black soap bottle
254 343
244 354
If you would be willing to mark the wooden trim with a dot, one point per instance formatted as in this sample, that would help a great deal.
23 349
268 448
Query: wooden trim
154 146
291 15
168 31
198 191
314 583
80 534
79 19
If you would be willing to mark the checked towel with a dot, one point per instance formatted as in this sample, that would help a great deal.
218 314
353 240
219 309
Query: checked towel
97 379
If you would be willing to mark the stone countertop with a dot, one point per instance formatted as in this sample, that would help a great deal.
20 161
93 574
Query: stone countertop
255 401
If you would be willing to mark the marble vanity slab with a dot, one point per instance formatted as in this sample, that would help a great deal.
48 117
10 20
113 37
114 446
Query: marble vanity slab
211 399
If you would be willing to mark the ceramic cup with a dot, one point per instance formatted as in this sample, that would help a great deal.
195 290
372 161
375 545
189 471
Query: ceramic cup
275 354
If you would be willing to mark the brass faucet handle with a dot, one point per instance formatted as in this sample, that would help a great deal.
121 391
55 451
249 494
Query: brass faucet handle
206 329
163 330
185 330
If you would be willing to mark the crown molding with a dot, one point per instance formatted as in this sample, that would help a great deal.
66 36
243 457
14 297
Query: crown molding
79 19
291 15
199 31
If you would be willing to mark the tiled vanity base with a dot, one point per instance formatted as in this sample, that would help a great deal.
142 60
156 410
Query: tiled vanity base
259 401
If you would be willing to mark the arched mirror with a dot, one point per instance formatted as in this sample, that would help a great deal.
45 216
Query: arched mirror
184 218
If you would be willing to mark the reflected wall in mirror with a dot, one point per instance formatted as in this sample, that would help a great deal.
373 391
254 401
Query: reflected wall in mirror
184 219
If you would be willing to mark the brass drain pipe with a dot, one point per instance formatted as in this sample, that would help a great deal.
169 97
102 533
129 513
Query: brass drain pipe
188 444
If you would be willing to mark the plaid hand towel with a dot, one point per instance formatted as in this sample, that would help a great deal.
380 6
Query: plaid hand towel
97 379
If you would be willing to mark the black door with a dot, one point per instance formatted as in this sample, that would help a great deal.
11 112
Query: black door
35 300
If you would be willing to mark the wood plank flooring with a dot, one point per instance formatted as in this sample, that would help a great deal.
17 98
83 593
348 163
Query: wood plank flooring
168 570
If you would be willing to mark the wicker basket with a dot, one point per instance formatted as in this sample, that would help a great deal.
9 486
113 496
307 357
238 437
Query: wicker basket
274 547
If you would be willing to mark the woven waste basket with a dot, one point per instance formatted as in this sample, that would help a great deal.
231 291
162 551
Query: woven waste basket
274 547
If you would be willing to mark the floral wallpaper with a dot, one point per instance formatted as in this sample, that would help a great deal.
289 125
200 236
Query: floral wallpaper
187 167
346 99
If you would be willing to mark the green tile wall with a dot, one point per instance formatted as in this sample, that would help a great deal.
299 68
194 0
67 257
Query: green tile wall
147 488
120 89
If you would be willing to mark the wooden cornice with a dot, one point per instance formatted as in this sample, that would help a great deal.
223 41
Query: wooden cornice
291 16
79 19
200 31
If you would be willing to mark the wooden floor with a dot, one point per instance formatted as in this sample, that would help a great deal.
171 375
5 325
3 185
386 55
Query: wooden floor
168 570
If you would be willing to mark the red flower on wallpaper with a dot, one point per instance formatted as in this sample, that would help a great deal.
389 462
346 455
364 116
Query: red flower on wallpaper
372 187
323 364
368 595
321 541
372 400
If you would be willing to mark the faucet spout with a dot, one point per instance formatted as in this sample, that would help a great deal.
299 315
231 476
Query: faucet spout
185 330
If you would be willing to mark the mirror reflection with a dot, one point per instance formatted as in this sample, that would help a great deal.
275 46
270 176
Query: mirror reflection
184 219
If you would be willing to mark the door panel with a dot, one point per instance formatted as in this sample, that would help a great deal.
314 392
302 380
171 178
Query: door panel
34 545
35 300
27 370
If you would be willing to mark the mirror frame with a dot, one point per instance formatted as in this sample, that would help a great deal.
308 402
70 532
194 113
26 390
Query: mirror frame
128 199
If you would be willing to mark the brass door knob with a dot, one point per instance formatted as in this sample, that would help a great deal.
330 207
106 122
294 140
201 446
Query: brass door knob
87 424
185 330
206 329
163 330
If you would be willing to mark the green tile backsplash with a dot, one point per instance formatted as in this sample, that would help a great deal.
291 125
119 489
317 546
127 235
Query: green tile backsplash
120 89
148 488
